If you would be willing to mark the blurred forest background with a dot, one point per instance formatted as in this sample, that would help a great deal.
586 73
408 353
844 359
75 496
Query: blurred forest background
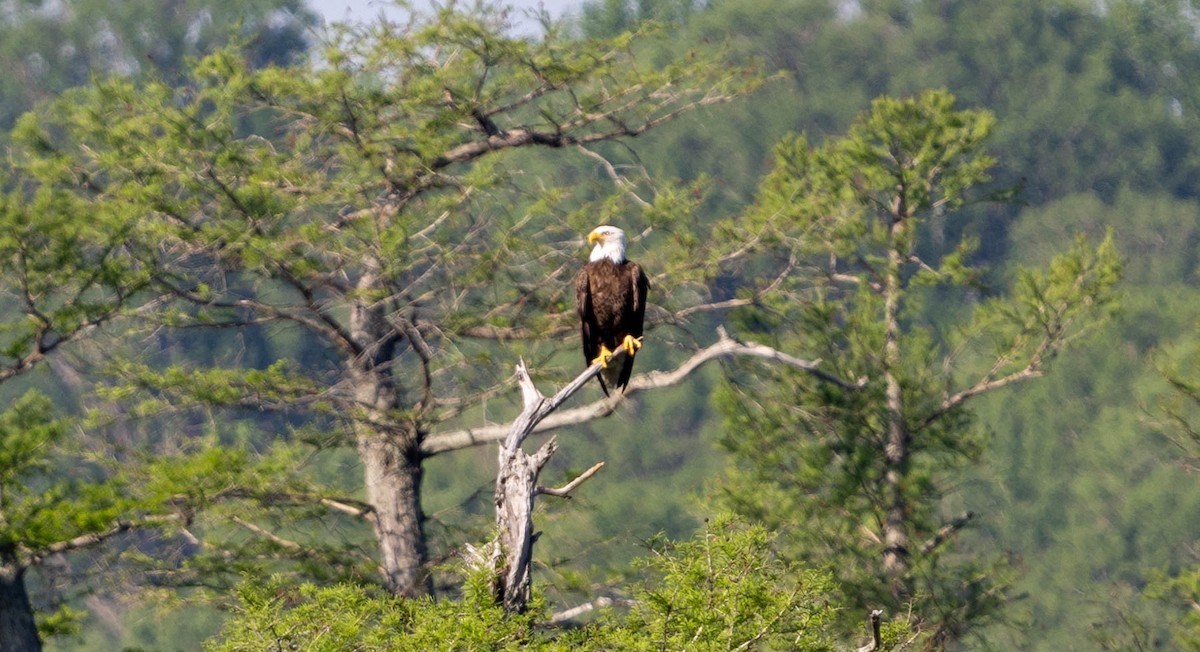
1081 482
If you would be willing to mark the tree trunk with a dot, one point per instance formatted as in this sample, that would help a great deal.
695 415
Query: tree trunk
18 632
393 489
896 452
390 451
516 488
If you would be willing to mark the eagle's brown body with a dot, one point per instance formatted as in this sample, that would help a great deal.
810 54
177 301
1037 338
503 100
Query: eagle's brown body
611 300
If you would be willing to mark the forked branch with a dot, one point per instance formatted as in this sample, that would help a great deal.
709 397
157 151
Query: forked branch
516 488
725 346
516 479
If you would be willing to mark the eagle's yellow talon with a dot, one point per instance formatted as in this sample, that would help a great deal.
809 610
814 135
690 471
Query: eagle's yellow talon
604 357
632 344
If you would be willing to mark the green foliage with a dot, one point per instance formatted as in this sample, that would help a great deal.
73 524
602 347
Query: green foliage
49 48
1086 460
1049 305
63 622
723 590
1095 113
1180 595
248 166
856 213
64 276
28 431
611 17
1175 595
39 512
51 501
911 157
1156 234
923 154
1109 113
275 615
373 211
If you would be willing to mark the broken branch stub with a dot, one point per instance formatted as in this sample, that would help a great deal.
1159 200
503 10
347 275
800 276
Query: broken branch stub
516 489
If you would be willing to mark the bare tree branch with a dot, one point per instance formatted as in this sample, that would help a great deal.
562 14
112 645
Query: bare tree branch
364 512
92 538
725 346
516 479
578 610
349 506
322 323
267 534
561 136
948 530
617 178
511 558
81 541
565 490
47 339
987 384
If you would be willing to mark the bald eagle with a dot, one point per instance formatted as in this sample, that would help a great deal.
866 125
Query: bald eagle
610 296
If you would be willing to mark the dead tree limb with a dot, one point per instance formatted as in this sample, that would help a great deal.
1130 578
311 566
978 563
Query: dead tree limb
725 346
516 488
565 490
516 479
602 602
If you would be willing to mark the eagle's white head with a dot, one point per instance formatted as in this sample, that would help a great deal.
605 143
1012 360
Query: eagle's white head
610 244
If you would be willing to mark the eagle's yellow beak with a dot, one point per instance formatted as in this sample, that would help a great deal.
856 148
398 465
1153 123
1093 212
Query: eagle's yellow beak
594 236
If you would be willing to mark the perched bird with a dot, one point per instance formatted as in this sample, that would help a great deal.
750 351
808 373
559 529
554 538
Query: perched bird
610 296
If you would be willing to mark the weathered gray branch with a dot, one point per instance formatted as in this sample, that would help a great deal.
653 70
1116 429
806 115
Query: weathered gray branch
572 133
565 490
516 488
82 541
725 346
511 557
602 602
267 534
32 557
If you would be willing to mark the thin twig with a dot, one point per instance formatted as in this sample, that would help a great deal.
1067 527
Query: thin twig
565 490
948 530
263 532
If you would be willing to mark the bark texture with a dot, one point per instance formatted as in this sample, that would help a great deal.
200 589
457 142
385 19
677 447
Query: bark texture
516 479
393 490
390 450
516 489
18 632
896 453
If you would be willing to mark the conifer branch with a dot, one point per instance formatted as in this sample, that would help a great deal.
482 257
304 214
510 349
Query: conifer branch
94 538
946 531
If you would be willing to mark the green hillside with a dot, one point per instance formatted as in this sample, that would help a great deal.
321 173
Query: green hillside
265 277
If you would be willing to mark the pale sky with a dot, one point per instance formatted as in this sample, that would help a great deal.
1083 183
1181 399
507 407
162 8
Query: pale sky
365 10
